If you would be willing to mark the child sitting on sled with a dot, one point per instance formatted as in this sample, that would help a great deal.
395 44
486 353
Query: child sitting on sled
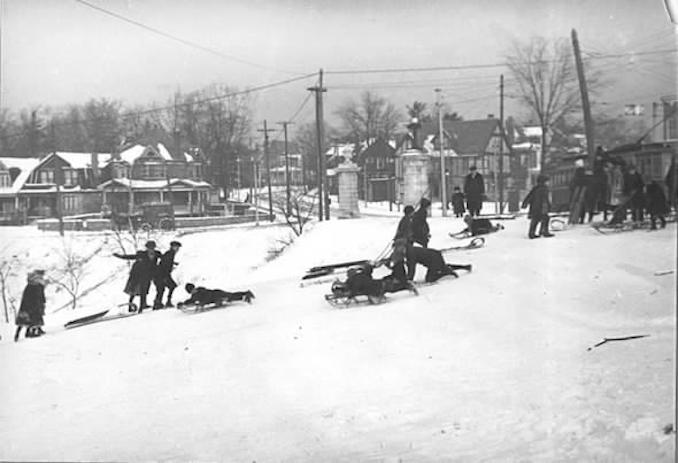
477 226
203 296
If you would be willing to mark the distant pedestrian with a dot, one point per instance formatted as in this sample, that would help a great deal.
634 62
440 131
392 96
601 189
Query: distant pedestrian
142 272
474 190
657 206
163 278
405 225
633 191
616 189
32 309
421 233
458 202
540 205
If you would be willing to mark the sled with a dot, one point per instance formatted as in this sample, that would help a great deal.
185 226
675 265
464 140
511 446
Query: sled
497 216
606 228
341 297
199 308
475 243
102 316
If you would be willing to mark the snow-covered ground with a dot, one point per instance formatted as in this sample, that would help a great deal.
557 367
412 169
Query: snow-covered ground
493 366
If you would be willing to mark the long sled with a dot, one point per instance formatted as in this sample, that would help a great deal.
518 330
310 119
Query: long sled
101 317
340 297
607 228
475 243
197 308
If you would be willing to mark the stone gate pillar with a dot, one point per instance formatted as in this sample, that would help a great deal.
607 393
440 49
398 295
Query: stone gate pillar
417 167
347 177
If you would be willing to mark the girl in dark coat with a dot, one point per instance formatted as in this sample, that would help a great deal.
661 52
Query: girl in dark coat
420 231
458 202
142 272
540 205
657 206
32 309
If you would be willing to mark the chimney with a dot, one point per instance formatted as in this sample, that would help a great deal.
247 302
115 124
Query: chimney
95 168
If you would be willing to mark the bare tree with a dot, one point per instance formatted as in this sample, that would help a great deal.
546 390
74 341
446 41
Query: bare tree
69 272
7 265
547 81
368 119
301 209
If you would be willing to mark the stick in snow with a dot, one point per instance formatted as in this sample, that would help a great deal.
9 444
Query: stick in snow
663 272
623 338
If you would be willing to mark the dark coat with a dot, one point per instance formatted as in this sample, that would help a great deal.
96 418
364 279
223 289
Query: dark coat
404 229
32 308
203 296
538 201
432 259
656 200
474 189
633 189
458 203
481 227
142 272
421 232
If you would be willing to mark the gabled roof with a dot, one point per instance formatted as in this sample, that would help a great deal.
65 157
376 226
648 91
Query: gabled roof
80 160
159 184
465 137
26 165
378 149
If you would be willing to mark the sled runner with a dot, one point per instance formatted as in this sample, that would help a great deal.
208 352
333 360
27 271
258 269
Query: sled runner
196 308
608 228
102 316
497 216
342 296
475 243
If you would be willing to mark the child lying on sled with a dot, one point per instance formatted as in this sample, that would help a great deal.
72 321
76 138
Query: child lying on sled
477 226
203 296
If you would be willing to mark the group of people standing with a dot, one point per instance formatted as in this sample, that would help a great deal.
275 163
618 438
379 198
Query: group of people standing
473 194
150 265
617 188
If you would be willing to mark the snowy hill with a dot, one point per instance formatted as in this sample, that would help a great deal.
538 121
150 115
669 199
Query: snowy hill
493 366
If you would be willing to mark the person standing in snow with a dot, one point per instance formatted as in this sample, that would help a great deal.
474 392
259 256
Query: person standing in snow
474 190
405 225
142 272
657 205
421 232
616 188
458 202
32 309
540 205
163 278
633 191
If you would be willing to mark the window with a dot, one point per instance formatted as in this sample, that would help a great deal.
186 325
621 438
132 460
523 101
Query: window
70 177
46 176
4 180
153 170
70 203
121 172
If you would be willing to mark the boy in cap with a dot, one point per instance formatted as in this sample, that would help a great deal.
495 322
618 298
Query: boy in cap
140 275
163 278
540 205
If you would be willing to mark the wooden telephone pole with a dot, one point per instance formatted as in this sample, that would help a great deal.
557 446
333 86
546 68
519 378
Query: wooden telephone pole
268 168
441 142
586 107
287 168
501 144
323 203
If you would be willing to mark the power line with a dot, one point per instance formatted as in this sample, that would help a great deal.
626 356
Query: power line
179 39
488 65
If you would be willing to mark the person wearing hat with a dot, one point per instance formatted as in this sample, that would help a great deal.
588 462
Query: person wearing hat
163 278
474 190
540 205
420 230
32 308
140 275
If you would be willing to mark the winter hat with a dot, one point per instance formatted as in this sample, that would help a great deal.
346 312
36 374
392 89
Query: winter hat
175 243
408 210
189 287
473 167
542 179
35 276
424 202
150 244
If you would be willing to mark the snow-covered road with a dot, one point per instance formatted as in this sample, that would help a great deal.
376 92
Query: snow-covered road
490 367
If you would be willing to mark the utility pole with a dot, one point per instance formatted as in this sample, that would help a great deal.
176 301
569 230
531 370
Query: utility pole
287 167
501 143
255 174
654 121
441 140
586 107
320 132
268 168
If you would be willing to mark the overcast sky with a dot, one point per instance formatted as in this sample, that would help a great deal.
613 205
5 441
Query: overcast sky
56 52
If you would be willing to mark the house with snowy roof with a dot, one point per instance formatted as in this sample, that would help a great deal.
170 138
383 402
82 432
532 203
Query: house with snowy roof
150 174
465 144
14 173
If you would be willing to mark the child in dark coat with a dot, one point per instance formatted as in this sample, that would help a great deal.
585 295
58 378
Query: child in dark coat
32 309
142 272
540 205
421 232
458 202
657 205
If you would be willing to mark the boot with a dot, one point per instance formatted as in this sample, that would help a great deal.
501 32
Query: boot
169 304
17 333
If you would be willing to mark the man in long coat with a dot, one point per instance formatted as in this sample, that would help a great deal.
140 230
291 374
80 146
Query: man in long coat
474 190
142 272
